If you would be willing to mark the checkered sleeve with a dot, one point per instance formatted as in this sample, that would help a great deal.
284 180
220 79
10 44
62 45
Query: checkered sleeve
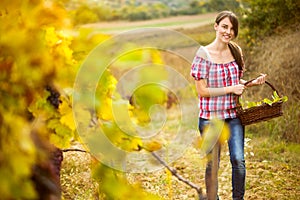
199 68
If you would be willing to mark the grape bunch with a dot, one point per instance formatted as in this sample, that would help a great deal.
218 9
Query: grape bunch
53 98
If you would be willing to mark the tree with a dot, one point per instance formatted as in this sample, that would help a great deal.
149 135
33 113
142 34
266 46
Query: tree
263 17
219 5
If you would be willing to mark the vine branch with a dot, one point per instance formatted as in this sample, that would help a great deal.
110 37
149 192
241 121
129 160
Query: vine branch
80 150
179 177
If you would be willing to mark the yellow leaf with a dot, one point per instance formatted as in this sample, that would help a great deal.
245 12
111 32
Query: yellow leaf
215 132
198 142
225 134
156 57
169 183
64 107
131 144
105 109
68 120
151 146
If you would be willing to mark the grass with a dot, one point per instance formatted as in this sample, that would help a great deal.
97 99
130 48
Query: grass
274 170
278 151
278 57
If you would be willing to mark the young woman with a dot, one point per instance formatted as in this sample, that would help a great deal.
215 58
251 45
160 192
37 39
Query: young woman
217 69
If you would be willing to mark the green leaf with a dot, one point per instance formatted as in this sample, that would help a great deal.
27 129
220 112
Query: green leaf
268 101
284 98
275 95
251 104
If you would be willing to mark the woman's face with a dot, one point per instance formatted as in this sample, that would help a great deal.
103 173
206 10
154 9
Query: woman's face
224 30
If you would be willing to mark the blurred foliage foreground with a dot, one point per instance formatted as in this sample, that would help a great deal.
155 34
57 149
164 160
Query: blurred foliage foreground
39 59
31 54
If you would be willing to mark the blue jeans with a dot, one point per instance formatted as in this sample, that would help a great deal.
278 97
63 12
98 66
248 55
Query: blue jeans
236 150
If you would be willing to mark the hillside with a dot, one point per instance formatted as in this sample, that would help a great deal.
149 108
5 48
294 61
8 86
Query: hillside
278 57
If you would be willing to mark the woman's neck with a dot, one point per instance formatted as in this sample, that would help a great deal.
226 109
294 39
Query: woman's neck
219 46
219 52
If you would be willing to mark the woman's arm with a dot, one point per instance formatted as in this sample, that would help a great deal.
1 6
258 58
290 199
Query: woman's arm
204 91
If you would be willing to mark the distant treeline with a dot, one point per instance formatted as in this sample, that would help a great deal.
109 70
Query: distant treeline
135 10
258 17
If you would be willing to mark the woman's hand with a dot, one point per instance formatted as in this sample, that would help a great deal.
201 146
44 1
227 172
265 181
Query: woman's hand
259 80
237 89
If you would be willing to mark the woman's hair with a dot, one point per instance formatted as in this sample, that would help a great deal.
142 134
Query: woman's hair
237 54
233 19
234 48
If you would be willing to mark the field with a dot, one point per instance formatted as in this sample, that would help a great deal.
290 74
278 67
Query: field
273 170
172 22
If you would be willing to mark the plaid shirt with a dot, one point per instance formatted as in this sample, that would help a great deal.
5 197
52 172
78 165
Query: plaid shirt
217 75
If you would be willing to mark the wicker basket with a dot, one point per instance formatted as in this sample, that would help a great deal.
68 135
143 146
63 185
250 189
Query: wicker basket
260 113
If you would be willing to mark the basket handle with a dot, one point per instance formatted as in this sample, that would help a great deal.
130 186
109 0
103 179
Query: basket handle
239 106
268 83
